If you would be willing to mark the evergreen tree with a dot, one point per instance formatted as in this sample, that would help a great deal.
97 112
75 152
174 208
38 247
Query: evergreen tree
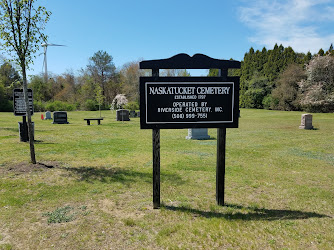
330 51
321 52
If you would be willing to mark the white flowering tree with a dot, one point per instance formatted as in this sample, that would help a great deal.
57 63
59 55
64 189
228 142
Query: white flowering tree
317 92
118 102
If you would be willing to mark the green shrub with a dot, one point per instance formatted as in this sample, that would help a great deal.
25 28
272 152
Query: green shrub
132 106
39 106
267 101
59 106
6 106
90 105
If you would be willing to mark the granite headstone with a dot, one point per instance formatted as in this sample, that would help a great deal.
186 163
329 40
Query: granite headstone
306 122
60 117
122 115
48 115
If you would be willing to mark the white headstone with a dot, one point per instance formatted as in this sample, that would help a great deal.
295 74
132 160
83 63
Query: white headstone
198 134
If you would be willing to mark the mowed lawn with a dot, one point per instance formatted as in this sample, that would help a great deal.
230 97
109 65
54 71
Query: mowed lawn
92 188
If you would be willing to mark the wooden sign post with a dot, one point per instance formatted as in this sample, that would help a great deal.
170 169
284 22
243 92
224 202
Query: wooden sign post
189 102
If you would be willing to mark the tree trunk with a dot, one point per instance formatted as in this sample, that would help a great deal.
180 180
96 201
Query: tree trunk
30 127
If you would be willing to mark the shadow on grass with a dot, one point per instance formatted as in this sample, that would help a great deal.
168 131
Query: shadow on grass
10 129
109 175
250 213
42 142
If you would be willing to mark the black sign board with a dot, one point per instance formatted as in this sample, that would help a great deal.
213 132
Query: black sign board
19 102
189 102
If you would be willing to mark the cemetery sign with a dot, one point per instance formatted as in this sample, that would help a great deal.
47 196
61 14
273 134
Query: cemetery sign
189 102
19 102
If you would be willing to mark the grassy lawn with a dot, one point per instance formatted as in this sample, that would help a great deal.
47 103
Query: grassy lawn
92 188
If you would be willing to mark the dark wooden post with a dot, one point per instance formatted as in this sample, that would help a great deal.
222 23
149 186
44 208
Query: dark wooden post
221 152
220 170
156 159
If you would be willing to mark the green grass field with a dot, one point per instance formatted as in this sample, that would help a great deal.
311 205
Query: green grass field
92 188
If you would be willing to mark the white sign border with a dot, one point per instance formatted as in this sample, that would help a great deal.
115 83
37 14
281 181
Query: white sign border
198 122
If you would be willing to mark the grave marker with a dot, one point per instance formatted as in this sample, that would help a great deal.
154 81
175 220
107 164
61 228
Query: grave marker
198 134
122 115
306 122
60 117
48 115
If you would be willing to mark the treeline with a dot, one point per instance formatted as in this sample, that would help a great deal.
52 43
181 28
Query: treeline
282 79
278 79
96 85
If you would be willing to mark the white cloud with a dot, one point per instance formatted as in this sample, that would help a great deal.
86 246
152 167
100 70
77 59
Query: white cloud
300 24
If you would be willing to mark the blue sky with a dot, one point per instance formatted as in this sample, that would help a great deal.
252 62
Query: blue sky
130 30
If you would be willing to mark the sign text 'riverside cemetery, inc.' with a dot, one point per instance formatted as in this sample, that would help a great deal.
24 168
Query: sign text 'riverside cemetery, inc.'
198 103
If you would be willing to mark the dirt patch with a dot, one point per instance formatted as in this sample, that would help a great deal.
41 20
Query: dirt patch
26 167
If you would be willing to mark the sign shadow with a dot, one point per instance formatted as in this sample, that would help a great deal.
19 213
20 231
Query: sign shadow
253 214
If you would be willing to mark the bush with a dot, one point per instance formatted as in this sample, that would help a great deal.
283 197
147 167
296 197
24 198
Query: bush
59 106
90 105
133 106
39 106
267 102
6 106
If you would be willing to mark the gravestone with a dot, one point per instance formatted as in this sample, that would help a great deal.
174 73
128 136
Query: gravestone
306 122
138 114
60 117
122 115
23 131
198 134
48 115
132 113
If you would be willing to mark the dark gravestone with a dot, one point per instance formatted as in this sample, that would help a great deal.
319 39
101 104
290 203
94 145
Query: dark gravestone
122 115
23 130
133 113
60 117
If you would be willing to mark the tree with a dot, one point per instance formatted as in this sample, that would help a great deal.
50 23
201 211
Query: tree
10 78
257 89
286 93
330 51
119 102
102 70
317 91
321 52
99 96
42 90
174 72
20 31
130 78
